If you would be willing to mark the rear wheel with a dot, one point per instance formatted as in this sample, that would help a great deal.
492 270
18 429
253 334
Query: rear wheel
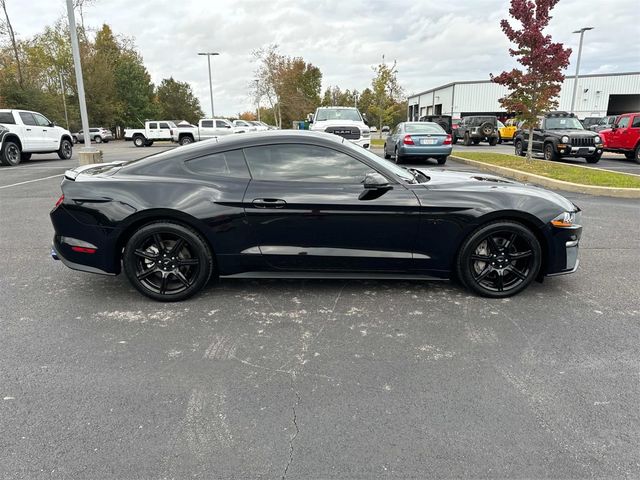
386 155
493 141
499 259
441 160
186 140
167 261
398 158
10 155
138 141
66 149
467 139
98 139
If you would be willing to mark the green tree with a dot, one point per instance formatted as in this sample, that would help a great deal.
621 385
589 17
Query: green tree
176 101
387 95
135 90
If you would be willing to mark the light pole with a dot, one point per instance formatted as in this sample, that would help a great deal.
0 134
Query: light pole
87 154
575 80
258 97
209 54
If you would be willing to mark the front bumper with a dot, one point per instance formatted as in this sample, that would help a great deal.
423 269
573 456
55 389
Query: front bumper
571 151
363 142
564 247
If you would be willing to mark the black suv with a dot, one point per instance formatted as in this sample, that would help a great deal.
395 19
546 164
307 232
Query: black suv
477 129
443 120
560 134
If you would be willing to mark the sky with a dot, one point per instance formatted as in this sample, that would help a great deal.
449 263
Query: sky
433 41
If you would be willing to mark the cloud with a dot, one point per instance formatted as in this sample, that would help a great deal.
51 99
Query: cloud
434 42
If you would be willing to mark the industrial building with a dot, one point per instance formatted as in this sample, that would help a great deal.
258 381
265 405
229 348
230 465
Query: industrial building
597 96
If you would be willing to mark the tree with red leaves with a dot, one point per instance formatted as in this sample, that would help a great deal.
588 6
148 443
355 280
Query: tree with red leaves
533 91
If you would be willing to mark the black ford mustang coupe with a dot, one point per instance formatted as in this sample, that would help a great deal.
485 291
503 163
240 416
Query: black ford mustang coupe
302 205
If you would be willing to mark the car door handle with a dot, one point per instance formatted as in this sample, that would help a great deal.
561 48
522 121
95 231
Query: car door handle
269 203
28 129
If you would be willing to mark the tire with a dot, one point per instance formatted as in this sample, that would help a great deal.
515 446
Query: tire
593 158
467 139
637 154
160 273
398 158
11 154
519 148
487 129
186 140
454 139
65 152
550 152
476 141
493 141
499 259
630 155
74 139
98 139
442 160
139 141
24 157
386 155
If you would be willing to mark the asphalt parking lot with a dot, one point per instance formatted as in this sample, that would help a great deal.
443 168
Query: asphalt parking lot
315 379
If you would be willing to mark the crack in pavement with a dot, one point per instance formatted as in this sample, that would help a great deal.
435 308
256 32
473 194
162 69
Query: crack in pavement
295 424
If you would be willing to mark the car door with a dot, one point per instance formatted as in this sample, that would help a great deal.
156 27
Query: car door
538 136
152 131
32 140
164 131
223 128
308 209
49 134
633 133
619 134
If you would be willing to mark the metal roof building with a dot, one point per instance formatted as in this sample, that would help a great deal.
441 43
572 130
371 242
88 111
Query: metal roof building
597 96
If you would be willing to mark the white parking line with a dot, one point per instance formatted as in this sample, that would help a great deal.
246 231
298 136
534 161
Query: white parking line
29 181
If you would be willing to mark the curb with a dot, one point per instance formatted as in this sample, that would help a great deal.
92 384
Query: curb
551 183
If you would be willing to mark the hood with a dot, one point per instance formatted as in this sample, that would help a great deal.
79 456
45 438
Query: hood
572 133
337 123
441 179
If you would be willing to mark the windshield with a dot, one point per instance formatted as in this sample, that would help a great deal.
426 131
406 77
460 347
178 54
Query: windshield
563 123
384 164
338 114
500 124
423 128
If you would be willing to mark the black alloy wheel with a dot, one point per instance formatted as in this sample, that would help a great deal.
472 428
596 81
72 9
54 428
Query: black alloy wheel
499 259
66 149
10 155
519 147
167 261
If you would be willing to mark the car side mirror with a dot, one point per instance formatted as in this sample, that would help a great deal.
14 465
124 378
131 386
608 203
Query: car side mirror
376 181
51 124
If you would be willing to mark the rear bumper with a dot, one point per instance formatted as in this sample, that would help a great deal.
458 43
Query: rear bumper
56 247
425 150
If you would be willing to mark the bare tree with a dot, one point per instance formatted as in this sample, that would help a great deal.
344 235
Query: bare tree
80 5
268 76
12 37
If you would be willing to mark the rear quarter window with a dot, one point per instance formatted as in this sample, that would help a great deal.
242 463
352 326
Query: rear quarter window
635 124
224 164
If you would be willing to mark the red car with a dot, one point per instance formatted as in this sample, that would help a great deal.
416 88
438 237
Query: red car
624 136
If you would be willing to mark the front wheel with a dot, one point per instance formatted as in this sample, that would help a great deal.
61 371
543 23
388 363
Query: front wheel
637 154
10 155
593 158
499 259
550 152
98 139
167 261
519 147
66 149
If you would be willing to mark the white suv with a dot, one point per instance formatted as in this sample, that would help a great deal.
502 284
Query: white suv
346 122
23 133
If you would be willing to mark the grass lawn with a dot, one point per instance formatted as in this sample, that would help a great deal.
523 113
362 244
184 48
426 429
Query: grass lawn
377 142
557 171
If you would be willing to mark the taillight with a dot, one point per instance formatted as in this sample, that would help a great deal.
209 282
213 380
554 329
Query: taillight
83 250
447 141
59 201
408 140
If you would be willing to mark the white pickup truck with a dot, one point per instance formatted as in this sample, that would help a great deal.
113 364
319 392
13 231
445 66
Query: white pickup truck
207 128
23 133
154 130
346 122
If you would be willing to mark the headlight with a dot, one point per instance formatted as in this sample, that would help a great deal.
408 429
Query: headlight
565 139
366 132
564 220
597 139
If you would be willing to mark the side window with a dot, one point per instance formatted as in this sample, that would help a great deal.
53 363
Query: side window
225 164
221 124
153 126
304 163
207 123
7 118
41 120
164 125
27 118
636 122
623 122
